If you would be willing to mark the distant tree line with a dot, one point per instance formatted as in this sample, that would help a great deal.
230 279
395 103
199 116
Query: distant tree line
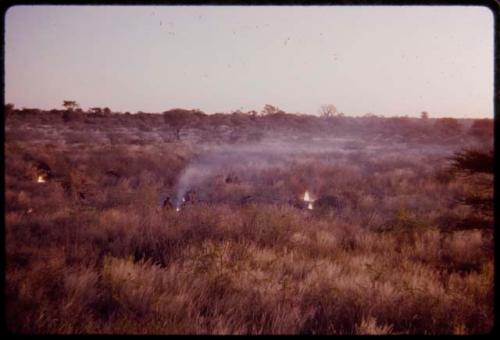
271 118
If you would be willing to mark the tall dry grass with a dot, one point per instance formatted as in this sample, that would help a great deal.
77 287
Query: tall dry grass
113 261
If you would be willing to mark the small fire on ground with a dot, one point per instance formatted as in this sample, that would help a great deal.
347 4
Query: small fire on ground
308 200
178 207
40 179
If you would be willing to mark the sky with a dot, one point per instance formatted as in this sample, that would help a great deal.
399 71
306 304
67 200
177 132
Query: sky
385 60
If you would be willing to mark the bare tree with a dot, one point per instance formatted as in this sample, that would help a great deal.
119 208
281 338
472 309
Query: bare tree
327 110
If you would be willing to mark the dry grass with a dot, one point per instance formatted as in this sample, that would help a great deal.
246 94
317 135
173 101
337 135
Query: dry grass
115 262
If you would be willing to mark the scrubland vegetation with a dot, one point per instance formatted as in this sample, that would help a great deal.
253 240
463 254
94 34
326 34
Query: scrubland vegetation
400 240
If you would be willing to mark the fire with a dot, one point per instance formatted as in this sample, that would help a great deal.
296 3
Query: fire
40 179
178 205
308 200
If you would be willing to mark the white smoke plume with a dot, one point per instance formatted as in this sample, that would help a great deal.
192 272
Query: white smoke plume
248 159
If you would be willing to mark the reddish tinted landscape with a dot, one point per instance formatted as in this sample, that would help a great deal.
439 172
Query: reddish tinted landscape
247 223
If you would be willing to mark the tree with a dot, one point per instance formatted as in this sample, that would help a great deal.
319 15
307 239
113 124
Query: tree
179 118
70 105
473 162
477 166
448 126
327 111
269 109
482 128
106 110
424 115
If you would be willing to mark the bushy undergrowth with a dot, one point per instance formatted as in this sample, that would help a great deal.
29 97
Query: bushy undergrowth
91 250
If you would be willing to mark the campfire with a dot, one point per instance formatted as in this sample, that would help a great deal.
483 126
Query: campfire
41 171
308 200
179 205
167 202
187 199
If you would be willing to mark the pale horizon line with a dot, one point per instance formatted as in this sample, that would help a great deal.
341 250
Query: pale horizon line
316 114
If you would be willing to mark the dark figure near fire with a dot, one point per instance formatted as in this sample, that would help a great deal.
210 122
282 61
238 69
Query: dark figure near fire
190 197
167 203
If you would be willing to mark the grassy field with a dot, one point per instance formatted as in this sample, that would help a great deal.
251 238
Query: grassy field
389 247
